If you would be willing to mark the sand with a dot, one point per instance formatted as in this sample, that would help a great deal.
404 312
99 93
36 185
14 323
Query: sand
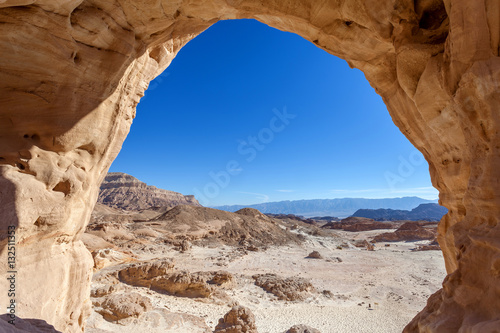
368 291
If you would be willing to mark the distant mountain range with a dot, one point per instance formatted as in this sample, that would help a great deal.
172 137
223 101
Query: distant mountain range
428 212
334 207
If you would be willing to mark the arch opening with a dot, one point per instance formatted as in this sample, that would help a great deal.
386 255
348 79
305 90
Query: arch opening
222 104
180 131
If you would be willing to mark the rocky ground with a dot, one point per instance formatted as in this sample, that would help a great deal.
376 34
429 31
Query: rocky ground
195 269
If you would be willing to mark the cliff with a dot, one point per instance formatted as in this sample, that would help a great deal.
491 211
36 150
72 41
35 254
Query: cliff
119 190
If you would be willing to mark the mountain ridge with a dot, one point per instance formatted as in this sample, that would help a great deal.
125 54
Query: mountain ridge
341 207
429 212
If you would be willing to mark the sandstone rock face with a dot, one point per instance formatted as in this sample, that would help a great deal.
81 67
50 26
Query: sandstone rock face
72 73
119 190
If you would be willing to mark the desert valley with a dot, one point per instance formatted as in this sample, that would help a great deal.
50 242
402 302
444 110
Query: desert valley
72 74
164 263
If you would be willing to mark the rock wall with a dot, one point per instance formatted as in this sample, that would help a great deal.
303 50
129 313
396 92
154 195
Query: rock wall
72 73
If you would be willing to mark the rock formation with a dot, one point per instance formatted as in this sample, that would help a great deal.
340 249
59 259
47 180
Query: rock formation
286 289
315 255
119 190
160 276
72 73
238 320
302 329
364 244
141 274
121 306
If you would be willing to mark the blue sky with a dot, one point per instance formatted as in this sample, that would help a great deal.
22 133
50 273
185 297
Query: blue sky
247 114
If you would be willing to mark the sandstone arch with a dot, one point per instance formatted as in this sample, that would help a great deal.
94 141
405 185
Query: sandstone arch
72 72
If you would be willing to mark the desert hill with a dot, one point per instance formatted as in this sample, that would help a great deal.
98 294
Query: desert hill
246 226
182 225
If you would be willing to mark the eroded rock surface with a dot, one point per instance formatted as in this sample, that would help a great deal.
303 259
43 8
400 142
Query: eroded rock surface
116 307
238 320
286 289
159 275
73 72
302 329
142 273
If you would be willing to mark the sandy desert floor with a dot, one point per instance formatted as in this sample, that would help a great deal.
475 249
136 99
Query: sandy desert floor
364 291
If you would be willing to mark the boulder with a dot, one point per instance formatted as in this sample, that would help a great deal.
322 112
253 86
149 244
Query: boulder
121 306
314 255
286 289
238 320
302 329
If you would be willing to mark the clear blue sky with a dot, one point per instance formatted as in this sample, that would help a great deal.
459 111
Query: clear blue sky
247 114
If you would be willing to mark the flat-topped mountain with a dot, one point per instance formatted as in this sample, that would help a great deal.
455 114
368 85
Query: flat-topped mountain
428 212
120 190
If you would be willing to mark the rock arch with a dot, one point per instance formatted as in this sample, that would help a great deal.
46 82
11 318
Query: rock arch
72 73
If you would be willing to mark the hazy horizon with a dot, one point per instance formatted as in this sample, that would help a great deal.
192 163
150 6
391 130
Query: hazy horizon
243 204
298 199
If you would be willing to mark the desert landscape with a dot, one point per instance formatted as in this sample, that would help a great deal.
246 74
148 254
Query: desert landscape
71 76
183 267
